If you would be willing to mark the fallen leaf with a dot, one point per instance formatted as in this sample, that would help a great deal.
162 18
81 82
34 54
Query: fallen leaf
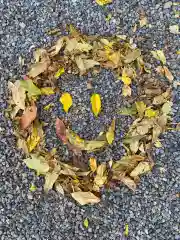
33 139
93 164
37 163
30 87
21 143
141 107
38 68
132 56
59 188
90 63
159 55
142 167
167 108
86 223
126 80
150 113
47 107
100 177
126 231
94 145
28 116
174 29
61 130
126 91
84 198
129 183
108 17
168 74
103 2
130 111
66 101
47 91
59 72
158 144
110 132
32 187
50 179
18 94
57 47
127 162
143 21
96 104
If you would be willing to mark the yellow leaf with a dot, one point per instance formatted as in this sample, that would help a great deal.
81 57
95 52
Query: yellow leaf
86 223
96 104
141 168
66 101
150 113
93 164
126 80
108 18
84 198
126 91
94 145
47 107
141 107
33 139
126 231
178 52
158 144
32 187
159 55
110 132
47 91
59 72
103 2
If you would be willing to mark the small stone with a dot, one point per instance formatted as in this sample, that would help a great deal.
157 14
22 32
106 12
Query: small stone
22 25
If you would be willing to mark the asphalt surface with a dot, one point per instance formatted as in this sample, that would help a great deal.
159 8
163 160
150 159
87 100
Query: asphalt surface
152 212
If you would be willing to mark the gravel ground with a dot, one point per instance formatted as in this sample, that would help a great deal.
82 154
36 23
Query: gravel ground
152 211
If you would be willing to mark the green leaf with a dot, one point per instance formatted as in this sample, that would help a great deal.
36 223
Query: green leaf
37 163
141 107
86 223
128 111
126 231
30 87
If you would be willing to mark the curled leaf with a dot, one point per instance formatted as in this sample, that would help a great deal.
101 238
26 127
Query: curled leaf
84 198
129 183
96 104
66 101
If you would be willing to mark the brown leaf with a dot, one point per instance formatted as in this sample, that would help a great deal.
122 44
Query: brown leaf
168 74
84 198
61 130
28 116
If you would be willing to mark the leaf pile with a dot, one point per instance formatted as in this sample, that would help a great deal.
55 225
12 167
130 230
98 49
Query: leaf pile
78 54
